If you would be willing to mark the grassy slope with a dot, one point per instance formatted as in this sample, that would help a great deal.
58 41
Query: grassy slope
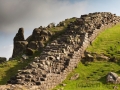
10 68
93 74
108 42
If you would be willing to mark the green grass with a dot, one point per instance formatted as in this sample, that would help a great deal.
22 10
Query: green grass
9 69
92 76
59 30
108 42
62 28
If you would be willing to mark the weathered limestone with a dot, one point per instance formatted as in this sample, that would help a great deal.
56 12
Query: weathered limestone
34 41
62 55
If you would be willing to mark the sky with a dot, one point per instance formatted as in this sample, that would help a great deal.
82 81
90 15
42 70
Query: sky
31 14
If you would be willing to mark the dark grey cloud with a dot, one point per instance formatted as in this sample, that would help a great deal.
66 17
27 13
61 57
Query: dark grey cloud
33 13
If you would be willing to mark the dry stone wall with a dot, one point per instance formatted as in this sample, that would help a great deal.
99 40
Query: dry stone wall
62 55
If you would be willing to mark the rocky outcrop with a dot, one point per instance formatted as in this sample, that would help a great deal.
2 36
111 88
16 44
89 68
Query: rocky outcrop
34 42
62 55
20 44
20 35
38 38
19 48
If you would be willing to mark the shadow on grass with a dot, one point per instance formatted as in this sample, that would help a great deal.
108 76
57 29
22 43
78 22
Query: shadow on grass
13 70
103 80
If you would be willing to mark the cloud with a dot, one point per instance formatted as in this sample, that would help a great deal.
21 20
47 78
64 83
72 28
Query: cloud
34 13
6 51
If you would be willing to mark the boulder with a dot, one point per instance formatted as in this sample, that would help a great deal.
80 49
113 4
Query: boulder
36 35
88 57
112 77
61 24
63 84
36 32
51 25
118 80
39 35
102 57
2 59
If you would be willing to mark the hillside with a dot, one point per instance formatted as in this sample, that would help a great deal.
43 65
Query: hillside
108 42
93 74
55 51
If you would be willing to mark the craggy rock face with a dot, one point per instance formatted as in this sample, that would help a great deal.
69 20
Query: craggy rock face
40 35
37 38
19 48
35 41
19 43
62 55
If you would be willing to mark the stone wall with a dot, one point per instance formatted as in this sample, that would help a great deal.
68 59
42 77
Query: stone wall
62 55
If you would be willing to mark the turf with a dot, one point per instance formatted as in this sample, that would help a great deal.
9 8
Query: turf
9 69
108 42
92 76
